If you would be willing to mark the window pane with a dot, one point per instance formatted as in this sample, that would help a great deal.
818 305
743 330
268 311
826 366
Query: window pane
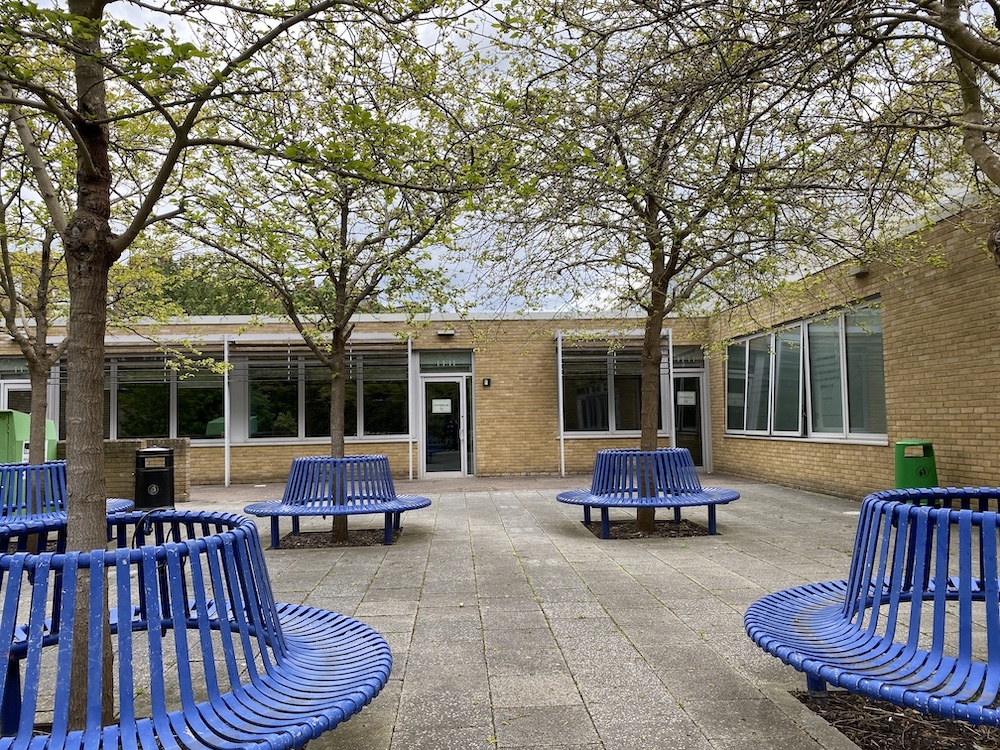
825 377
865 371
788 381
736 386
758 382
691 357
201 406
274 398
317 401
384 407
384 393
143 400
585 392
628 391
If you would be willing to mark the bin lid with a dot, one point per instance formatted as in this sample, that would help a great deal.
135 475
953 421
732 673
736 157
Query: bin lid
913 442
155 450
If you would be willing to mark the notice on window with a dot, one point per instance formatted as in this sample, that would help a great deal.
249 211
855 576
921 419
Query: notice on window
440 406
687 398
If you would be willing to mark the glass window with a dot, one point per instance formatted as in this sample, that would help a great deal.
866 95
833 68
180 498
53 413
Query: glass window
274 397
384 394
758 383
788 381
736 386
585 392
384 407
590 377
865 371
317 417
689 357
628 391
843 373
825 384
201 406
143 399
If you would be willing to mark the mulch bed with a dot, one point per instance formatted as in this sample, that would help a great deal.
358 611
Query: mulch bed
320 539
877 725
664 529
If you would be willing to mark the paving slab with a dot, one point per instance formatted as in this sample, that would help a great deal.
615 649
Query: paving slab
514 627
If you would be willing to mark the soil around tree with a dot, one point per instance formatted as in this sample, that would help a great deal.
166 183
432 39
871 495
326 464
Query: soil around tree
321 539
877 725
664 529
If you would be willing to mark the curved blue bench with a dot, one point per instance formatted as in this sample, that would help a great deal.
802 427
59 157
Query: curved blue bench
40 489
628 478
917 621
326 486
204 656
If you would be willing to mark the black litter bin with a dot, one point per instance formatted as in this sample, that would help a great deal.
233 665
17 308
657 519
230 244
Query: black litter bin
154 478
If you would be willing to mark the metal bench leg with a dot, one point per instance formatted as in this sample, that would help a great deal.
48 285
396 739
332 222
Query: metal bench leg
295 525
816 687
387 538
586 515
677 515
397 518
275 536
605 524
10 707
711 519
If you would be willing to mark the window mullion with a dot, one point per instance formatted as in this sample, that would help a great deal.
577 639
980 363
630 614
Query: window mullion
845 407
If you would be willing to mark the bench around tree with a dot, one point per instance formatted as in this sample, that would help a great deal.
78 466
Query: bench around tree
325 486
630 478
204 656
39 490
917 621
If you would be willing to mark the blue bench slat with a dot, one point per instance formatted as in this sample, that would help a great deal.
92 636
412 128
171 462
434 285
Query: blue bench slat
40 490
627 478
932 551
326 486
250 673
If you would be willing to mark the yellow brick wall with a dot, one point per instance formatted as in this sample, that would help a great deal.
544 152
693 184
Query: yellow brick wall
942 369
261 464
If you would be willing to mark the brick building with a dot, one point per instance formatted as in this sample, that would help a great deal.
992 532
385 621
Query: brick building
810 389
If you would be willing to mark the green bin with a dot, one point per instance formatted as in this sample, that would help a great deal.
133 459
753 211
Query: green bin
915 464
15 434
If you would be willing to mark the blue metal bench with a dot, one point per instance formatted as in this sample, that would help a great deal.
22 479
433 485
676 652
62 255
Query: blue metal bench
40 489
204 656
917 622
325 486
628 478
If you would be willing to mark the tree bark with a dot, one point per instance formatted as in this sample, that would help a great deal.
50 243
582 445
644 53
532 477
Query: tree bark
652 357
39 375
338 395
90 253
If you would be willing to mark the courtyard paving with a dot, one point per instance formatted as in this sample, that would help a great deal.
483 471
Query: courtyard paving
512 626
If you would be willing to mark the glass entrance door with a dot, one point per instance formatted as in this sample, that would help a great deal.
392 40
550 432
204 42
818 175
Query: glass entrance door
444 427
687 416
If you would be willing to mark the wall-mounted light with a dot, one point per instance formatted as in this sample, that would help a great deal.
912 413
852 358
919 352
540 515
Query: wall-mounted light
486 382
446 332
859 271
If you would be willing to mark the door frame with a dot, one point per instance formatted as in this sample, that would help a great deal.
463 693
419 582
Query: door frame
704 409
463 438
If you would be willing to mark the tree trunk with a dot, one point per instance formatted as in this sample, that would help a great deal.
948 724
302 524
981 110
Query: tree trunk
338 392
338 396
90 252
39 374
652 356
